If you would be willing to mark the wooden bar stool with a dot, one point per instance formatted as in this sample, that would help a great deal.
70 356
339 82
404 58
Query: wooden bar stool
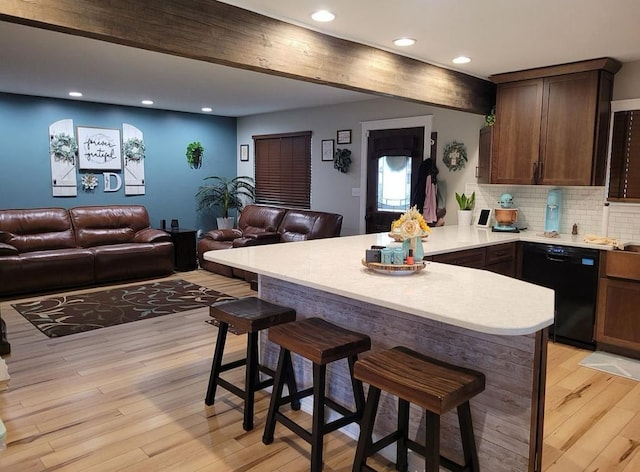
435 386
246 315
322 343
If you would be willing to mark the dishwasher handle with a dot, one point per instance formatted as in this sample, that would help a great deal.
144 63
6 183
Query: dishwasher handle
557 257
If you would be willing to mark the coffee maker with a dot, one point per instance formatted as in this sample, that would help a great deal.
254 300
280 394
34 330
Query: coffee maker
552 211
506 216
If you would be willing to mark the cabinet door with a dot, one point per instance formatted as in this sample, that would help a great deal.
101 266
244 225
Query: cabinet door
568 129
517 133
483 171
618 319
474 258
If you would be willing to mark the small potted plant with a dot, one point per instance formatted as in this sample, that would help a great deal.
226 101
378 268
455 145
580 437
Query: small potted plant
226 194
195 153
465 205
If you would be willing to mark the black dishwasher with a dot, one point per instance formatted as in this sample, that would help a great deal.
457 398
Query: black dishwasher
573 273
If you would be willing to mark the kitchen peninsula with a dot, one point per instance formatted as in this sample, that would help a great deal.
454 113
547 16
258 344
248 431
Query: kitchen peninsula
472 318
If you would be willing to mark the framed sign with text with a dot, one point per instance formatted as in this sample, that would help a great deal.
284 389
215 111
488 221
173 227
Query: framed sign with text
99 148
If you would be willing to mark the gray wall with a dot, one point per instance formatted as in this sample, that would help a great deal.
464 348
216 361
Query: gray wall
332 190
626 84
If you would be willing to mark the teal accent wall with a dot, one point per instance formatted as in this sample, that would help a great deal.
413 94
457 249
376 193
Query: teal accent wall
25 169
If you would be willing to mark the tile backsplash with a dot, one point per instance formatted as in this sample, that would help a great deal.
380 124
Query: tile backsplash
580 205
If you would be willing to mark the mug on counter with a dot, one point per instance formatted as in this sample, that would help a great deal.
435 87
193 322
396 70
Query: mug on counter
386 255
398 256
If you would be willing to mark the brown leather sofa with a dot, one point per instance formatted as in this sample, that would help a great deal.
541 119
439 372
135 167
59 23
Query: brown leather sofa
263 224
52 248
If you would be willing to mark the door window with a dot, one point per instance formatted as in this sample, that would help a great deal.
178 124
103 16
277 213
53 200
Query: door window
394 183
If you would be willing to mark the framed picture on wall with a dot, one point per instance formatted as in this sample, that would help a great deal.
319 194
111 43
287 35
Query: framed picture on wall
344 136
99 148
328 146
244 152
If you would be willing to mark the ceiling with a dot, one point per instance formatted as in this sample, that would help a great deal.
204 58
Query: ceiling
498 35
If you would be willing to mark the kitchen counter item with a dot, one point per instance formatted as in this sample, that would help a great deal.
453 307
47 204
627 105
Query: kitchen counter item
506 216
552 211
573 274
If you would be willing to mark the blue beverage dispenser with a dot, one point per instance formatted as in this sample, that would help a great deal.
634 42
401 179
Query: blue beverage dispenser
552 214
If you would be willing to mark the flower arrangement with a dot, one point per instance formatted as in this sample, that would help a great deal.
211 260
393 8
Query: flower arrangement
63 147
410 225
133 149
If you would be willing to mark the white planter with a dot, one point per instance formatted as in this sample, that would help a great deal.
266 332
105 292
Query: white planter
225 223
464 217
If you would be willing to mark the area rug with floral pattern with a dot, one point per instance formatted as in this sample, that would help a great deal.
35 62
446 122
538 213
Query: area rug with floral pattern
69 314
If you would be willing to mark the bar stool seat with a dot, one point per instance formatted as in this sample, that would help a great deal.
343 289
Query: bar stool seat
435 386
320 342
246 315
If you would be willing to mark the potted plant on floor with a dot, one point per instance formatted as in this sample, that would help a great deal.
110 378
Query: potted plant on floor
465 205
226 194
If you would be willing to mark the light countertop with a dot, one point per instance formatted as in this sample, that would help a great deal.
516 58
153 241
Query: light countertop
474 299
457 238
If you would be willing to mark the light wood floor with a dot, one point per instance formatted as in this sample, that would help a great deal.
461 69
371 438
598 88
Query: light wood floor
130 398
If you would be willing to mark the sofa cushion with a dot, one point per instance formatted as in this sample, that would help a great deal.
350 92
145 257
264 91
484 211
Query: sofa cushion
132 260
114 224
37 229
300 225
256 219
56 268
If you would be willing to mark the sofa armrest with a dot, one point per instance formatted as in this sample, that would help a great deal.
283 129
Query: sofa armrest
223 234
257 240
266 236
151 235
8 250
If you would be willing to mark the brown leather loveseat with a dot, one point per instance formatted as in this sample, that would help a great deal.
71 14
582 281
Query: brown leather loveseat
51 248
263 224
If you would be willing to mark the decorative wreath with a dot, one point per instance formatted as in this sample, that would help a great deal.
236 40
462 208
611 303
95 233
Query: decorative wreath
89 182
455 156
63 147
134 149
342 160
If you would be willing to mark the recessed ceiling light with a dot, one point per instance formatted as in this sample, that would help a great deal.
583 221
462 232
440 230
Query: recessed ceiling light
75 94
323 16
462 60
207 109
404 42
147 102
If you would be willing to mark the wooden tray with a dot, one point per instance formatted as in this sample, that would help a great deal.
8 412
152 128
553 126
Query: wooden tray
394 269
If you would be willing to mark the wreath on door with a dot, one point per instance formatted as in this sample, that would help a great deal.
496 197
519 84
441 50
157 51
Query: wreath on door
455 156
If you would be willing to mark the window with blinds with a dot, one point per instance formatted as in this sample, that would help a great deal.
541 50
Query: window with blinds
283 169
624 180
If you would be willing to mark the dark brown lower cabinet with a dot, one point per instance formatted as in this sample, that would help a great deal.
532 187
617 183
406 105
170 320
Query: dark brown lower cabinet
618 315
500 258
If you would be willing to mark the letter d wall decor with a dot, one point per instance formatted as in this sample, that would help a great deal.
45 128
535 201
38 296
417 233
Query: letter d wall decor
108 180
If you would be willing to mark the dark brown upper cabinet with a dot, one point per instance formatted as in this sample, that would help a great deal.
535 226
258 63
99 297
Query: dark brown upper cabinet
552 124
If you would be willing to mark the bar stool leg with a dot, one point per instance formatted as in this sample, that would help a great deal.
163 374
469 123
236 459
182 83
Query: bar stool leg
215 365
290 380
317 437
251 380
432 432
284 364
403 432
366 429
468 438
358 389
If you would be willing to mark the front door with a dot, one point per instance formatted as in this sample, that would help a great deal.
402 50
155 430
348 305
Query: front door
393 160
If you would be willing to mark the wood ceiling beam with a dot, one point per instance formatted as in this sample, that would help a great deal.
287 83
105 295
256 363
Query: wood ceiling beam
215 32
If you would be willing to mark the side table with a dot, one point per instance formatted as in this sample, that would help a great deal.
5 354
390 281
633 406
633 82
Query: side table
184 247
